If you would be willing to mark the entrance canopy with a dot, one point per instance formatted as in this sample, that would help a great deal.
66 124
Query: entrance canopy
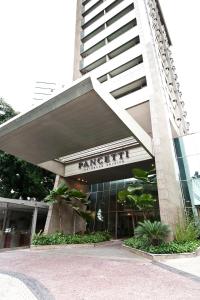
77 119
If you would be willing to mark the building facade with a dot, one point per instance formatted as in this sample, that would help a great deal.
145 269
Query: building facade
125 45
123 110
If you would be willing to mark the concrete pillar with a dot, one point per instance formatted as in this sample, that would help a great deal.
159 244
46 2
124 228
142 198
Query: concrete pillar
77 57
169 190
34 222
5 218
71 222
2 236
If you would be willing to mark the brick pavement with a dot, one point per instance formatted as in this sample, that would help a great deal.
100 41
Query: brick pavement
105 272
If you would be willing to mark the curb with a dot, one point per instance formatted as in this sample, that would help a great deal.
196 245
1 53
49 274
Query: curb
71 246
176 271
160 257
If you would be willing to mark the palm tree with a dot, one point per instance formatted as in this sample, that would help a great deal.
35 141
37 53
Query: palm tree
154 232
63 194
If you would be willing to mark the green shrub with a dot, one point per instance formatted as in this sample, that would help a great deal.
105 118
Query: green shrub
175 247
138 243
168 248
187 232
154 232
197 223
60 238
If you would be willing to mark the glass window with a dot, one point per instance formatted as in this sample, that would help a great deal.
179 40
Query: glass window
120 185
113 185
94 187
106 186
110 215
188 158
120 15
100 187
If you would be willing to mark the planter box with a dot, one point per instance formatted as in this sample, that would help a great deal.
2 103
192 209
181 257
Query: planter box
69 246
160 257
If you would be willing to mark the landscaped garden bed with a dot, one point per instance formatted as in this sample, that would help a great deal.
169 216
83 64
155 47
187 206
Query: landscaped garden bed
69 239
164 248
151 236
150 241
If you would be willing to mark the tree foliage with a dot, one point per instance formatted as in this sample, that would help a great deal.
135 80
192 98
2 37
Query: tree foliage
187 232
6 111
141 193
18 178
63 194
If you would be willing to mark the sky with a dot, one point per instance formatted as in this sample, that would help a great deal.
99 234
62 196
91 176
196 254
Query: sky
37 43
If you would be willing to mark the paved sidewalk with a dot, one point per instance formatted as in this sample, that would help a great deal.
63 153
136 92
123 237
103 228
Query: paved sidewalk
103 272
188 265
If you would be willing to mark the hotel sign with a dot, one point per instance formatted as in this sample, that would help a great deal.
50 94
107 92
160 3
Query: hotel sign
107 160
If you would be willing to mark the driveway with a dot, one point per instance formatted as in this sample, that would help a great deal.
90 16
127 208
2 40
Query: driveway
88 273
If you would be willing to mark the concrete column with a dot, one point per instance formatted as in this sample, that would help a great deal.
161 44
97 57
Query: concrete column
34 222
2 237
5 218
71 222
169 191
77 57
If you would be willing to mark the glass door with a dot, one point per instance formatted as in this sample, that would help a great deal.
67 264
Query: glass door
125 224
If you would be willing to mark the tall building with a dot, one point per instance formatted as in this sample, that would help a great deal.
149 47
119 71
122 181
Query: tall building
123 110
44 90
125 45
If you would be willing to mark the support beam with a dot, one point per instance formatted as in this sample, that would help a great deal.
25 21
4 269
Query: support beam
5 218
4 226
169 190
137 131
24 203
54 166
34 222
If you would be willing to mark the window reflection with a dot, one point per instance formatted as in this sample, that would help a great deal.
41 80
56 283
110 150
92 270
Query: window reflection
111 216
188 158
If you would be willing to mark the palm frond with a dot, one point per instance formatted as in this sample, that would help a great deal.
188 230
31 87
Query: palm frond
86 215
57 193
155 232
